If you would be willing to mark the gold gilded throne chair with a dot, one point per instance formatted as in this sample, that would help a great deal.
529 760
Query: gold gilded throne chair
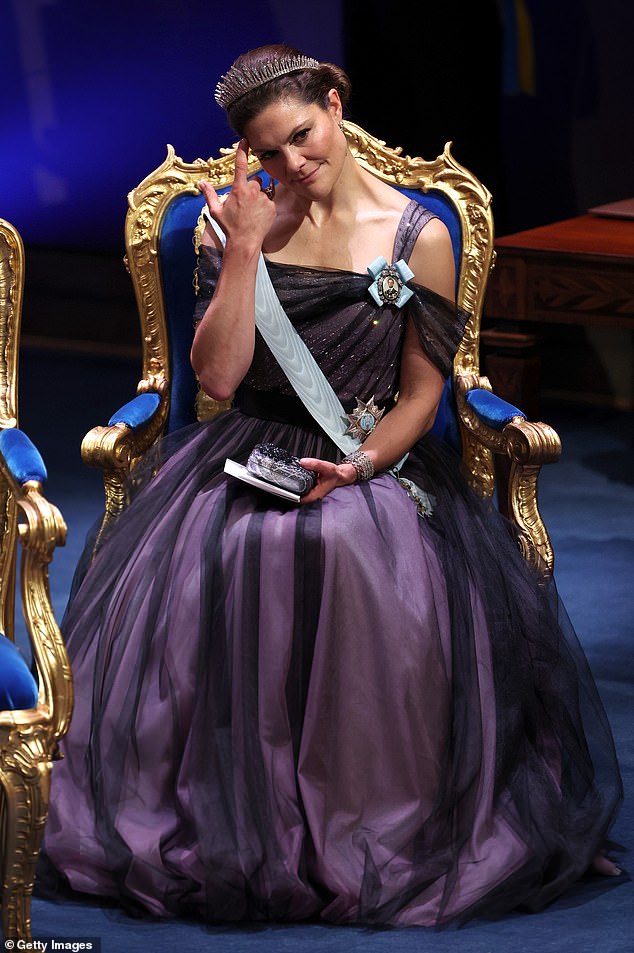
36 701
162 218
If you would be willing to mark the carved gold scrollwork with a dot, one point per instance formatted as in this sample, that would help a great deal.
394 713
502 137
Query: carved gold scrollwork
11 293
115 449
24 790
43 529
8 536
147 205
207 407
29 738
532 442
478 441
530 446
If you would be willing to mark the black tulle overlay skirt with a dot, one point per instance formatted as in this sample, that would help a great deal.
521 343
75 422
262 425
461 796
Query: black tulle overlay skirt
340 710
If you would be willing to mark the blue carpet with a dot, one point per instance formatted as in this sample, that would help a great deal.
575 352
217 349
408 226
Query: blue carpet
588 502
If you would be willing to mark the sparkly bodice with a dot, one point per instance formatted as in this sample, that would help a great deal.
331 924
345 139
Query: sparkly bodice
356 343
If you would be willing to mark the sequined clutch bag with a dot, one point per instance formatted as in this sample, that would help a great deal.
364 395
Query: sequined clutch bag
278 466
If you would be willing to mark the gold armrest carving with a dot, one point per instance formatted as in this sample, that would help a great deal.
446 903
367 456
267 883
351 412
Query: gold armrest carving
477 448
207 407
29 738
42 530
115 449
530 446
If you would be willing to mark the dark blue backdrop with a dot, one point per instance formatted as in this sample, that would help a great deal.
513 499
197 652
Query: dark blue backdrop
92 92
95 91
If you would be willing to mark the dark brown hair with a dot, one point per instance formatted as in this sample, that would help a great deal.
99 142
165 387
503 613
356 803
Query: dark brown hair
307 85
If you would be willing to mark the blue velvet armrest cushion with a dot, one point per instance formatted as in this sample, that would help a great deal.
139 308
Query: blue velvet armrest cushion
21 456
18 688
137 412
492 410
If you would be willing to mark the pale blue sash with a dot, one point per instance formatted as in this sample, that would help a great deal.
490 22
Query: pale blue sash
295 359
305 374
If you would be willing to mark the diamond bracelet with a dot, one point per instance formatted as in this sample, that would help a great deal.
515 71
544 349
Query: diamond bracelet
362 464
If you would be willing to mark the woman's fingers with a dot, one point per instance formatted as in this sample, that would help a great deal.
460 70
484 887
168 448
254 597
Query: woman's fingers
239 180
245 213
242 168
242 164
211 197
328 478
312 463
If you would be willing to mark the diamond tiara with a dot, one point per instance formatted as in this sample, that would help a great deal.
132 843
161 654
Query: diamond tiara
238 80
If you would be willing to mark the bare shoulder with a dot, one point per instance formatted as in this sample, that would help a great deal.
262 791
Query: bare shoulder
432 259
388 198
434 234
382 207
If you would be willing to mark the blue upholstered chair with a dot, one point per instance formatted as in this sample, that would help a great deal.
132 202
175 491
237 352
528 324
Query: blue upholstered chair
162 218
36 699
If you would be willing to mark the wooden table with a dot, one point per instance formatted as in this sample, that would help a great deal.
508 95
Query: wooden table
580 271
576 272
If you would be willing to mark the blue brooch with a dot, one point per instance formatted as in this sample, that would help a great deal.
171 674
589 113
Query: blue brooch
389 285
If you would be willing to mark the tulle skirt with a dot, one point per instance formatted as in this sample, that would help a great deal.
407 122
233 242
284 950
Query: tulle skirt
342 710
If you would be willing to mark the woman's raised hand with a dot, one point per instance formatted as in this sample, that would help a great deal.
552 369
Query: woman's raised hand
246 213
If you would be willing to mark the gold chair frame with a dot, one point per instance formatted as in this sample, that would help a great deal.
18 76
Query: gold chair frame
28 738
528 445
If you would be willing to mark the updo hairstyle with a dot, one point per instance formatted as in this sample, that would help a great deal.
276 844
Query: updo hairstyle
307 85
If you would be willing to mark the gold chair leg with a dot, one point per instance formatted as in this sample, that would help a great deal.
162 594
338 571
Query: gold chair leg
25 794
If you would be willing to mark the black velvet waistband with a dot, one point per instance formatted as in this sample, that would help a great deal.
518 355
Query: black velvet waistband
270 405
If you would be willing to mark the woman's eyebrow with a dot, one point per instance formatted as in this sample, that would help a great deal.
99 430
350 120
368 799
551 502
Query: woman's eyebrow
294 131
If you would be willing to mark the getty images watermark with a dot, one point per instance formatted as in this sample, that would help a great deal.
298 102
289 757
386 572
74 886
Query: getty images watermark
48 944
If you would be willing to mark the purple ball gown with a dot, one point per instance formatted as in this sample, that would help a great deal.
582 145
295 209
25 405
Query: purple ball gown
342 710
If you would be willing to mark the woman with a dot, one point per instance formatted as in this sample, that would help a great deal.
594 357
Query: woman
367 707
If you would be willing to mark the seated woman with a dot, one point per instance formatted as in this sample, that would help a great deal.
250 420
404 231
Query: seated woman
366 707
